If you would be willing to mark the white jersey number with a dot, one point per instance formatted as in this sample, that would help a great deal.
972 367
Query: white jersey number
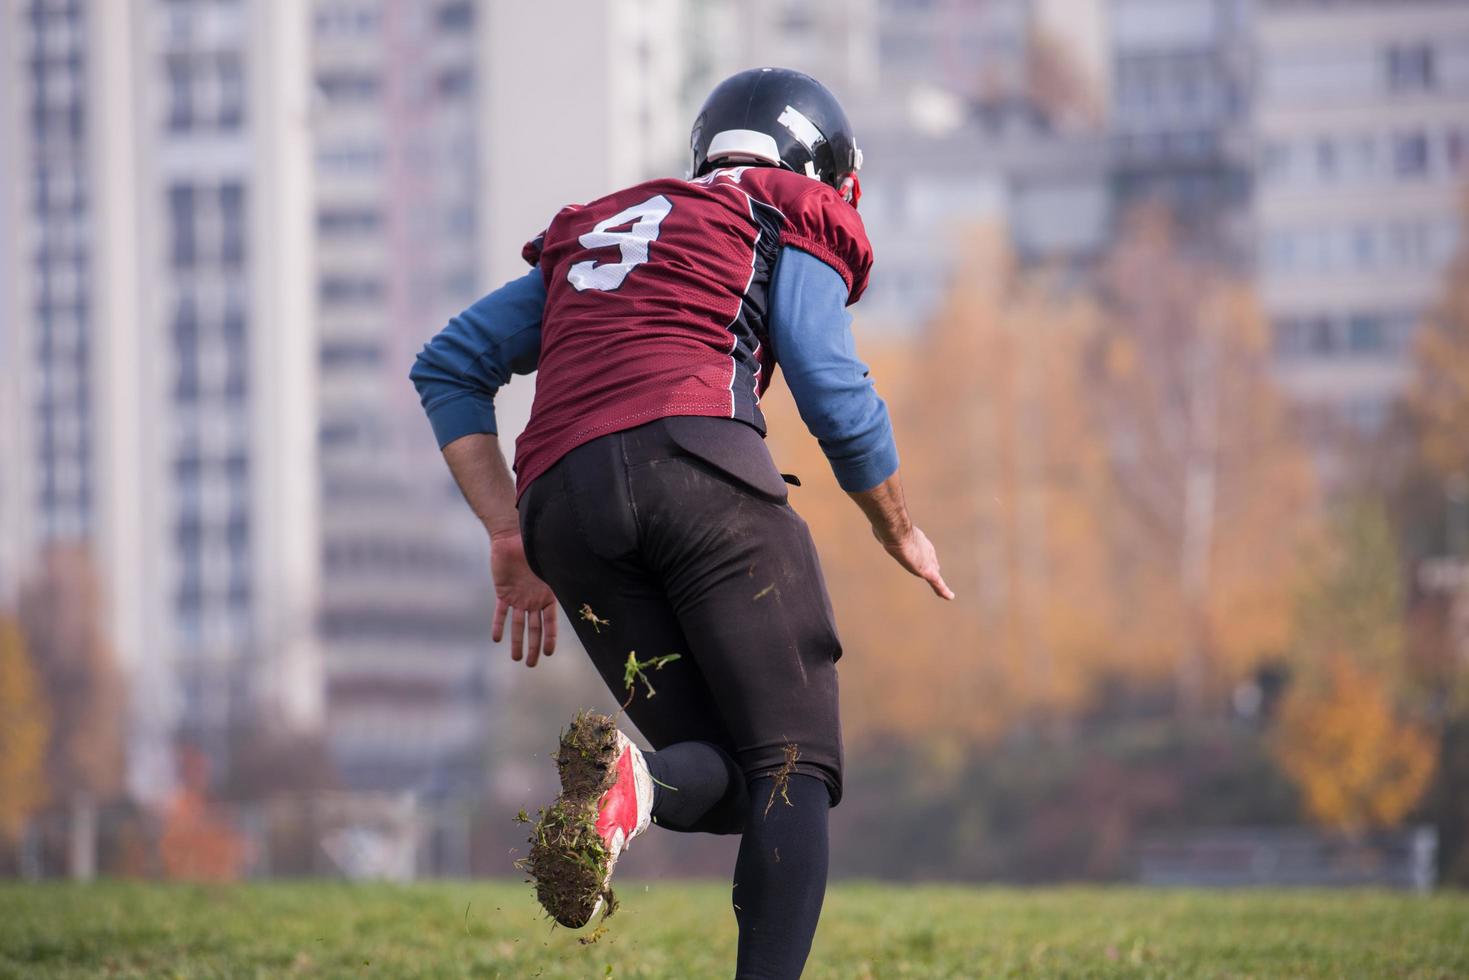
632 243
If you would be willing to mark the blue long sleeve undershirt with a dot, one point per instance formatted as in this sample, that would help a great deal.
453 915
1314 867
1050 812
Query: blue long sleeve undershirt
811 333
458 372
460 369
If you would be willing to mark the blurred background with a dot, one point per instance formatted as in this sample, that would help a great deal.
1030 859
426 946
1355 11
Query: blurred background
1171 308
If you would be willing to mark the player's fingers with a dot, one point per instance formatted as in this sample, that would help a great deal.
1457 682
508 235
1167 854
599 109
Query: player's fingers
533 644
497 628
550 643
937 583
517 632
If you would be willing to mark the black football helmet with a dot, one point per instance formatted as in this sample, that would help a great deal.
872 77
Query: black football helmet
781 118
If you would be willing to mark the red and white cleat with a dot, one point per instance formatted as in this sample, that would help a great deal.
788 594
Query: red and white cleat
626 809
606 800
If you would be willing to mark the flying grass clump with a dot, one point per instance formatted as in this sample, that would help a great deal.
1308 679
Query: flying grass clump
568 859
781 784
637 670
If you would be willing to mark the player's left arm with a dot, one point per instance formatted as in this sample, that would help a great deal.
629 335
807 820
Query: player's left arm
457 375
810 332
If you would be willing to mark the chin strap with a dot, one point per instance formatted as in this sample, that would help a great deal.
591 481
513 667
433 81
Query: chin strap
851 189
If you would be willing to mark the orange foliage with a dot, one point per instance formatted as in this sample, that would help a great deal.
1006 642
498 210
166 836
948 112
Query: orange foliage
1357 763
198 844
1214 498
1034 430
25 722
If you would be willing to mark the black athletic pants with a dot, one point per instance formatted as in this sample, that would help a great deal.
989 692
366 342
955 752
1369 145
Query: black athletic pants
676 538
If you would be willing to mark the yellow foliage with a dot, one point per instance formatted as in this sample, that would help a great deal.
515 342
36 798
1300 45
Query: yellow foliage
1212 496
1011 412
1357 764
25 723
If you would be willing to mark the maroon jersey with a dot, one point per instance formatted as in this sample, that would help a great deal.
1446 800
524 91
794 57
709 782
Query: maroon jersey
656 301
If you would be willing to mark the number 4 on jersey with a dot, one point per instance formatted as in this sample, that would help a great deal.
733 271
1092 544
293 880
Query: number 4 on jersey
632 243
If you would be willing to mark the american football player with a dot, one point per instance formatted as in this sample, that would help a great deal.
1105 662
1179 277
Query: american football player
646 503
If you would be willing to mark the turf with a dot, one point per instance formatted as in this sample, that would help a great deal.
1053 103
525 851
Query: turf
687 931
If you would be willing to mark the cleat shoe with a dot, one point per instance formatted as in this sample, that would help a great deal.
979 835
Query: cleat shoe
606 800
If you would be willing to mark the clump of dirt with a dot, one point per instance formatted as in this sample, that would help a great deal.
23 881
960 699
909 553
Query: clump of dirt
568 859
589 616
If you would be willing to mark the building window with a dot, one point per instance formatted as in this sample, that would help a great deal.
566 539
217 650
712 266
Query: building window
181 225
455 82
1366 334
338 289
342 353
186 350
1410 67
456 16
348 86
232 224
348 220
1326 157
1456 150
351 159
180 93
1410 154
231 91
345 20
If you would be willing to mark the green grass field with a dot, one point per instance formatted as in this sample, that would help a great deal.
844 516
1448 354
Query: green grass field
679 930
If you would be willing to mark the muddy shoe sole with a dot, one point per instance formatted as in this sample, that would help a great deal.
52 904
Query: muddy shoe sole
568 861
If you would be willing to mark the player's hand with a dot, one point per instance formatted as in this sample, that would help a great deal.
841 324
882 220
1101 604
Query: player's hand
915 552
528 600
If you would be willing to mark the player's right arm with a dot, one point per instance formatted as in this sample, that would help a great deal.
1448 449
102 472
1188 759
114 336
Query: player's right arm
811 333
457 375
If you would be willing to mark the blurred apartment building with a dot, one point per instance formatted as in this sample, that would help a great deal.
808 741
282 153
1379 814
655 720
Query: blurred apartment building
234 224
945 100
405 590
160 383
1362 122
1323 147
1179 122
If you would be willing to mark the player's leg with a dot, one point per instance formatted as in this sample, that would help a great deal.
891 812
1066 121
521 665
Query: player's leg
780 876
742 573
578 540
777 677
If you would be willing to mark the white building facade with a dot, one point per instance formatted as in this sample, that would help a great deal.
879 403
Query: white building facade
158 306
1364 152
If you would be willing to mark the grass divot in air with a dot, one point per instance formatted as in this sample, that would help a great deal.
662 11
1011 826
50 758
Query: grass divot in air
637 670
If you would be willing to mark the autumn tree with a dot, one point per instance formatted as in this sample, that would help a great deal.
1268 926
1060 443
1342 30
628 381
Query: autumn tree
1358 763
25 723
198 843
62 612
1345 733
998 460
1110 481
1436 523
1213 495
